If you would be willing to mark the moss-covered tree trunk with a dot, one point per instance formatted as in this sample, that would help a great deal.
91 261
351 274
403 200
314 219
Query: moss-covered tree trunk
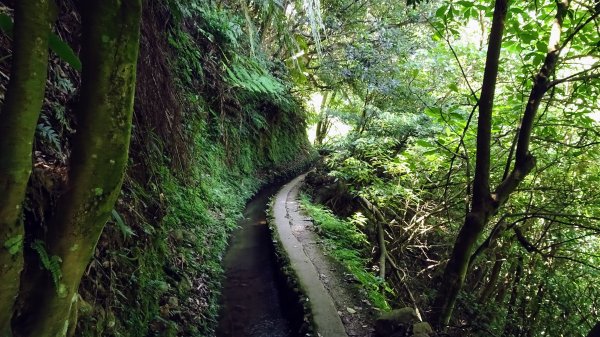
18 120
100 151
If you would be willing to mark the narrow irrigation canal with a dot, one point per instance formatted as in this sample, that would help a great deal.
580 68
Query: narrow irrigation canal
252 301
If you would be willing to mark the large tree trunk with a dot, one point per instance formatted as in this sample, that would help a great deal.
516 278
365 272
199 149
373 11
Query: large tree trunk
18 120
109 55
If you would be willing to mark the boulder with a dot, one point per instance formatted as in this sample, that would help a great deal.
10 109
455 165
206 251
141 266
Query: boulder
395 322
422 328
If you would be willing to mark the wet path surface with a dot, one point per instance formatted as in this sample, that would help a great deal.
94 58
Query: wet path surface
251 302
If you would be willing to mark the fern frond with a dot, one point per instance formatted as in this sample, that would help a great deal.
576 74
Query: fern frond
47 132
50 263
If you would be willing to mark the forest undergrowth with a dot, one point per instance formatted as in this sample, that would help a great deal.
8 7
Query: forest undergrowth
462 135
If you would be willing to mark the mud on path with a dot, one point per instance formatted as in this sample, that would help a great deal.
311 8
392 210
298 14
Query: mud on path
251 300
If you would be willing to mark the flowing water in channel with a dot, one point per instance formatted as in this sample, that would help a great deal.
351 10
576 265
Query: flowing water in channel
252 296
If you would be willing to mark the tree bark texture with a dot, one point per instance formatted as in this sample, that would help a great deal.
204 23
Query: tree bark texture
18 120
111 31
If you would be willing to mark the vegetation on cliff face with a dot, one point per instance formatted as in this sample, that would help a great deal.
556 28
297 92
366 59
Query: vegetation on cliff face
212 120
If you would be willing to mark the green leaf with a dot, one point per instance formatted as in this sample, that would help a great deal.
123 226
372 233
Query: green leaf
433 112
126 230
527 37
6 24
466 4
14 244
541 46
64 51
58 46
50 263
423 143
441 12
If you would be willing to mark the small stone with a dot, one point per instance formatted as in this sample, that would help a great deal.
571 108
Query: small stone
173 302
350 310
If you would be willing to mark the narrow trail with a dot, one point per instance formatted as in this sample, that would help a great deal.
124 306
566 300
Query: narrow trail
338 310
331 306
252 301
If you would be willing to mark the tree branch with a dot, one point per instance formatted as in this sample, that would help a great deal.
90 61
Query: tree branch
524 161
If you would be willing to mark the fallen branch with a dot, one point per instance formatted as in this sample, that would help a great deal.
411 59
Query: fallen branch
380 219
397 271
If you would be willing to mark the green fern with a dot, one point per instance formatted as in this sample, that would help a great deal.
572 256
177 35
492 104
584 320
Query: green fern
253 77
47 132
60 114
50 263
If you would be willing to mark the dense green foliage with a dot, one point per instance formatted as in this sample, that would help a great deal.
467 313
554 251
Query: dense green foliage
460 146
406 82
344 241
251 125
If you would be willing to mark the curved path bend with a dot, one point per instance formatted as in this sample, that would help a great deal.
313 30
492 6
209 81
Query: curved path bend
290 224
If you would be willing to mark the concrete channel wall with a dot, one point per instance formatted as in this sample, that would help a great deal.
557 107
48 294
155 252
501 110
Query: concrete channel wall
326 320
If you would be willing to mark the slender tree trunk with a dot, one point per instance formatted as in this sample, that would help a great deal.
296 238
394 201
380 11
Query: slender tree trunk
488 289
18 120
456 269
536 306
109 55
322 122
363 116
484 204
510 324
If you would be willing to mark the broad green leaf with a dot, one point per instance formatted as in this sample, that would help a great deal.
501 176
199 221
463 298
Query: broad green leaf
423 143
6 24
441 12
58 46
64 51
14 244
541 46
